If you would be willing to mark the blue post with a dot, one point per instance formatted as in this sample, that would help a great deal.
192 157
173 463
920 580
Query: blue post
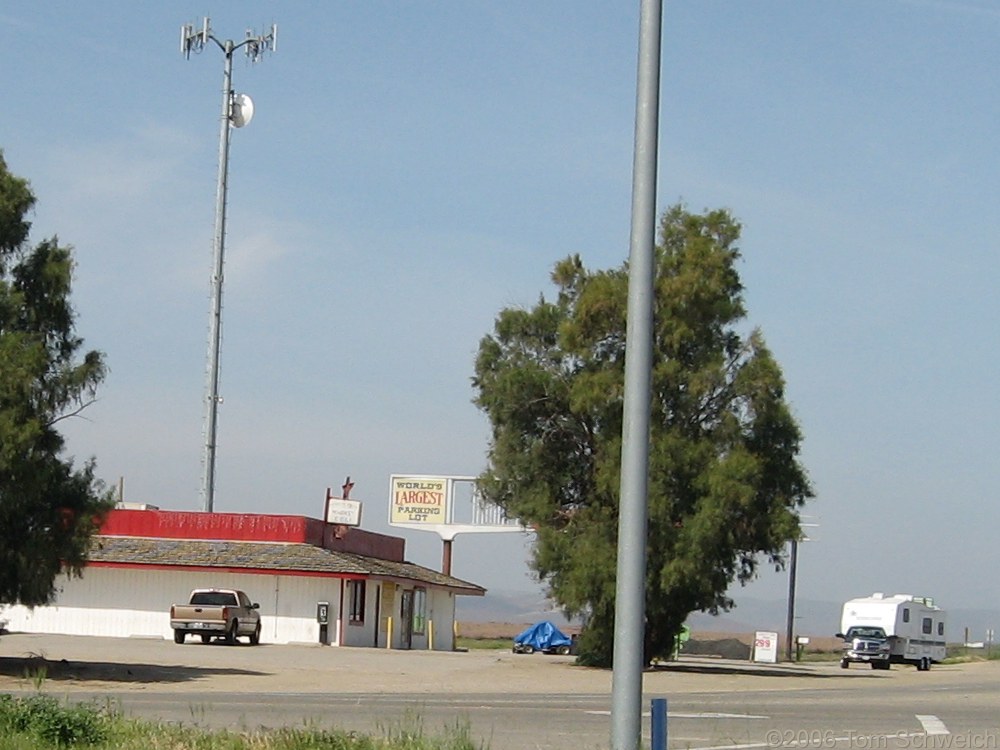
658 723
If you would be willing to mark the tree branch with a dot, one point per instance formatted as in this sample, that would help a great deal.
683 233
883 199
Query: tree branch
75 413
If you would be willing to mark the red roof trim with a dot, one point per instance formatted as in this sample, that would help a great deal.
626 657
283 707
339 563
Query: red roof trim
248 527
226 569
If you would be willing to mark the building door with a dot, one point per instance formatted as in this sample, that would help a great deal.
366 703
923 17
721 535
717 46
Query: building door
406 620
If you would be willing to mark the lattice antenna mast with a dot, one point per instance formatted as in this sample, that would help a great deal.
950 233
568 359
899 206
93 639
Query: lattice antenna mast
237 110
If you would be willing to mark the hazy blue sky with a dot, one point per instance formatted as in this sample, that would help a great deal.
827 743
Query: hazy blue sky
414 167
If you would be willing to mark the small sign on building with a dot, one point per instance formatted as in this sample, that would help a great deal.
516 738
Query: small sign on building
343 512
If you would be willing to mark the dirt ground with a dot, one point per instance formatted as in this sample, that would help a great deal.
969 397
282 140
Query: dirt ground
81 663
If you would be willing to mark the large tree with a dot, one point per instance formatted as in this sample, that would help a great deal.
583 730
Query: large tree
48 507
725 482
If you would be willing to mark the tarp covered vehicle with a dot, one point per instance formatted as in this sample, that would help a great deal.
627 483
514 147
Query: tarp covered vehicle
542 636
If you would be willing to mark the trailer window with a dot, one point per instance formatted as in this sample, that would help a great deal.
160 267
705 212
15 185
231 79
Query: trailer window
940 628
926 626
906 614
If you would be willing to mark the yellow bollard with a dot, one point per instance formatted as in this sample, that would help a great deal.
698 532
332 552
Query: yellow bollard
388 631
430 635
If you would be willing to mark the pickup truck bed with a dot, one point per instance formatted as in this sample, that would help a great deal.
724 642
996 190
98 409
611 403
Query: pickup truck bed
216 612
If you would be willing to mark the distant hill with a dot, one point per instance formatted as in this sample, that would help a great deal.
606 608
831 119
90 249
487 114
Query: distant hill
812 618
508 606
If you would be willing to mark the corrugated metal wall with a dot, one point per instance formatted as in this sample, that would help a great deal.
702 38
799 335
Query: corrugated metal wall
136 603
125 603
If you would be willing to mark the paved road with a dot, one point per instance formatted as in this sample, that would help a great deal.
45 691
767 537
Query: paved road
515 702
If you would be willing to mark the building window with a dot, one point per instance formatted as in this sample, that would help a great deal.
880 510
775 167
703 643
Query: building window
926 626
419 611
356 591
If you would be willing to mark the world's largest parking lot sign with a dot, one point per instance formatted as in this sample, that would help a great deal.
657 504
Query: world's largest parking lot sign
448 505
419 500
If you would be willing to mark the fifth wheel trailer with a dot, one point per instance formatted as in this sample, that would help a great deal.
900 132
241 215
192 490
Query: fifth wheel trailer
898 629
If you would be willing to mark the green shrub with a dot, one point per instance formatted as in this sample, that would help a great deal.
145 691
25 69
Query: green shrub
40 722
43 717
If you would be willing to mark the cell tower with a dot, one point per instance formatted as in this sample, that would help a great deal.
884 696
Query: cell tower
237 111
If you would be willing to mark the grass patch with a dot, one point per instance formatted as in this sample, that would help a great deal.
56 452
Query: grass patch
964 655
495 644
40 722
815 656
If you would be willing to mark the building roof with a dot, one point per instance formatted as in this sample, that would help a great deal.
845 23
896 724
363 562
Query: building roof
263 557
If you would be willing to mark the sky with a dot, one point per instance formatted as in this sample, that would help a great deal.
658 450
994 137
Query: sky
414 168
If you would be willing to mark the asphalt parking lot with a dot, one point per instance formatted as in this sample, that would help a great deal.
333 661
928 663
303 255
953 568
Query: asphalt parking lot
510 701
88 663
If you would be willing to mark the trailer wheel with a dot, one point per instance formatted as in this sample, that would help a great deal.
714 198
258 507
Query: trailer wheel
844 664
179 636
924 664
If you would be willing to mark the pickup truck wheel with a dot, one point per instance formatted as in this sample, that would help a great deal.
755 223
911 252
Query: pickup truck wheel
844 664
206 639
231 633
255 635
179 636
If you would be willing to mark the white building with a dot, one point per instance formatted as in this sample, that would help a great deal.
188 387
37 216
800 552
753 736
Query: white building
295 567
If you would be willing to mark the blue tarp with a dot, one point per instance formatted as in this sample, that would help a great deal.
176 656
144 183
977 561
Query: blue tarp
542 636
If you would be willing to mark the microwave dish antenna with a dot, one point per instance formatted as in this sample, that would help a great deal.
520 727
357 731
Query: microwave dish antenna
241 110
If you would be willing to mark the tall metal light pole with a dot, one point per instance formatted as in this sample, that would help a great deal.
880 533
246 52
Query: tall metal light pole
793 560
630 588
237 109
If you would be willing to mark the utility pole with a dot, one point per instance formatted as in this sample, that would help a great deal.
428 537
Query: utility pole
793 561
237 110
630 586
790 624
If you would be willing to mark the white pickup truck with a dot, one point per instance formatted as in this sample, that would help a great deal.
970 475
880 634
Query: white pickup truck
216 612
901 629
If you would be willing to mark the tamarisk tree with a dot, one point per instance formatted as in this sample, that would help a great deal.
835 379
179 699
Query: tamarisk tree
48 508
725 482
